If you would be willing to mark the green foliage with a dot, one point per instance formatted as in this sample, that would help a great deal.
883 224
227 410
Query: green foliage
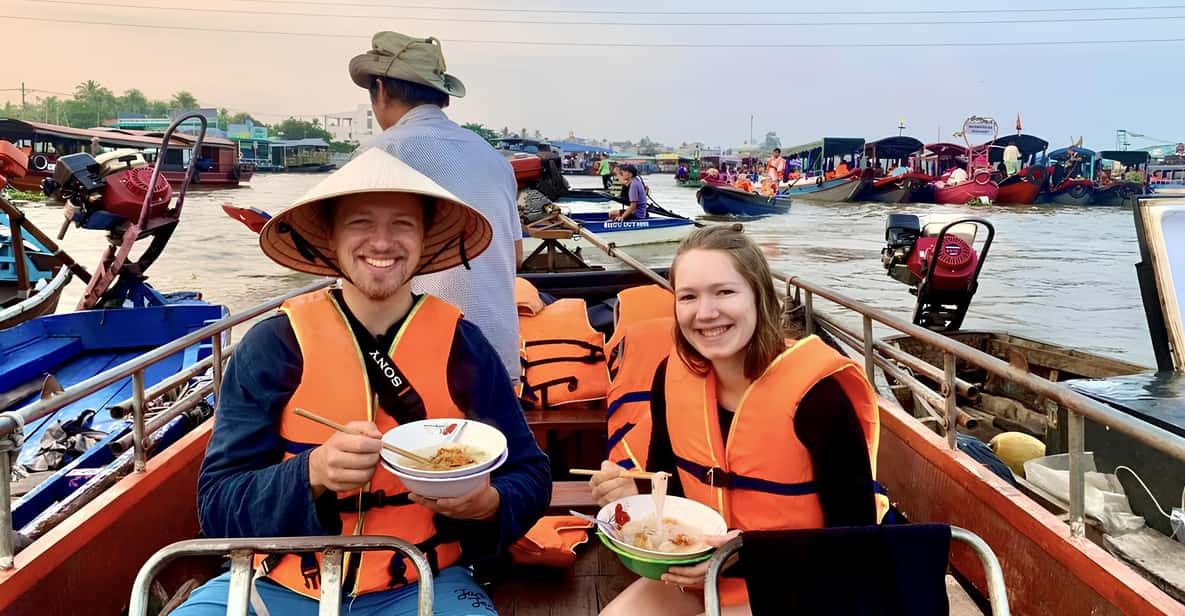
92 103
342 147
484 132
293 128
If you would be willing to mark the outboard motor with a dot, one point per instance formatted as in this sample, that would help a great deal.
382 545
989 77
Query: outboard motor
107 193
939 262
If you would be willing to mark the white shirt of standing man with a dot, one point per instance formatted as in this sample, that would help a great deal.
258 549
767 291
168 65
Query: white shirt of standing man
408 88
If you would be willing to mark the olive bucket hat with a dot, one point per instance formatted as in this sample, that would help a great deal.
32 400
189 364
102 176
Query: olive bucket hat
419 60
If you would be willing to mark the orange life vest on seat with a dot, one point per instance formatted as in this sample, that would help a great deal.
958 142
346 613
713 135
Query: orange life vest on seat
563 356
632 364
334 385
551 542
637 304
760 477
526 296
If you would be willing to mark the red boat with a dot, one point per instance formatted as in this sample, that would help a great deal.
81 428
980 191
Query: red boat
1022 187
942 158
217 166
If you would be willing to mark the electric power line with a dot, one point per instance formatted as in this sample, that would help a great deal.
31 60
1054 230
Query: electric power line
484 20
602 45
758 12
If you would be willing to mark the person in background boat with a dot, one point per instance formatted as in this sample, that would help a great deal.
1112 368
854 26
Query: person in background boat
981 161
1011 159
775 167
957 175
409 89
842 168
868 173
743 183
1104 177
604 170
901 169
797 410
682 173
633 195
268 472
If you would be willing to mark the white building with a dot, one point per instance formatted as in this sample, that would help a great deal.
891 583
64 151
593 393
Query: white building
353 126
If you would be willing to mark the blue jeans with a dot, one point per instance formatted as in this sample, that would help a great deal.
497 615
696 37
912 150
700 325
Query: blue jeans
456 595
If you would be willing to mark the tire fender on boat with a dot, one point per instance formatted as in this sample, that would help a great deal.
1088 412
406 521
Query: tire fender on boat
40 162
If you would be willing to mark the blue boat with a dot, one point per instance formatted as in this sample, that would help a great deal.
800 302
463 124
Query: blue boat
726 201
119 317
31 277
585 196
72 348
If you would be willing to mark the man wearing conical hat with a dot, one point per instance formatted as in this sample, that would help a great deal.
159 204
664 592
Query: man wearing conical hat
371 355
409 87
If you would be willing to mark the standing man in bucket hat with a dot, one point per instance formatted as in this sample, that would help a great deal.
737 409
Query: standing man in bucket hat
408 89
370 355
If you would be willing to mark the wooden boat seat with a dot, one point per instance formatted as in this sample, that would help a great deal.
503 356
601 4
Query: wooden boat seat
567 495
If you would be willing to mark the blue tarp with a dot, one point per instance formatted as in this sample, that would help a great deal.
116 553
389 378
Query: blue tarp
571 147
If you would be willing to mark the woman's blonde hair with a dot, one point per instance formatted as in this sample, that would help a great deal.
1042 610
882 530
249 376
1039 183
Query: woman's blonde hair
767 342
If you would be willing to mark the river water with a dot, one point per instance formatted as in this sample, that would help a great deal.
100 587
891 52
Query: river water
1059 274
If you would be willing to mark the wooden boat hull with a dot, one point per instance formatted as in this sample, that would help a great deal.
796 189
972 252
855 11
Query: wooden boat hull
87 563
832 191
898 189
1022 188
45 302
1046 571
970 190
1118 194
725 201
1071 192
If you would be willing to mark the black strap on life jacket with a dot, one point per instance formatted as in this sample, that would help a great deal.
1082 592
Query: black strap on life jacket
717 477
372 500
595 352
396 394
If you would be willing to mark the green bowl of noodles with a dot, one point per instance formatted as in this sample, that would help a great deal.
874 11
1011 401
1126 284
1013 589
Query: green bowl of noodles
647 567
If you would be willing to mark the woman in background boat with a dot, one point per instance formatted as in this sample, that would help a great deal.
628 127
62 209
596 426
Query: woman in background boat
633 195
799 419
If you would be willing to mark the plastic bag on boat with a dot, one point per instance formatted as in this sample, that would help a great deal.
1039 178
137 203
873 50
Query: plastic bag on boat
62 442
1105 498
534 205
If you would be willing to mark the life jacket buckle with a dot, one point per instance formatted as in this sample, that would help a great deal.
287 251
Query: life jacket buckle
716 477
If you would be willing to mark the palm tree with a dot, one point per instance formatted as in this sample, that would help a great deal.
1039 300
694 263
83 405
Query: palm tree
184 100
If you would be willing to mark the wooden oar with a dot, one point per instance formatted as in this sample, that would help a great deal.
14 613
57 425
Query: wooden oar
585 472
612 251
340 428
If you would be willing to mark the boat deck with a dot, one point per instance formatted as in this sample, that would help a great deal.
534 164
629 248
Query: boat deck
597 577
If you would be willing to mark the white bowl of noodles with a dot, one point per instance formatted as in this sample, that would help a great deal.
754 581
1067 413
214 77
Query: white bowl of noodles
477 449
686 522
448 487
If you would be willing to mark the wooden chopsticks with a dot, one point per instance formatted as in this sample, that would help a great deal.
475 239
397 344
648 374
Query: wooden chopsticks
630 474
340 428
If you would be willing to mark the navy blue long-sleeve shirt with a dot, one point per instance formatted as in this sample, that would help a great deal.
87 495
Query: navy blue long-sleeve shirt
246 489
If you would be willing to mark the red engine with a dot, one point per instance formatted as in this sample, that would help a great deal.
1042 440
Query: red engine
954 265
125 190
939 263
13 162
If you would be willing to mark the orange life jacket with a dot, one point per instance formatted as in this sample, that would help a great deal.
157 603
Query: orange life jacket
551 542
563 356
334 385
526 296
636 304
632 364
760 477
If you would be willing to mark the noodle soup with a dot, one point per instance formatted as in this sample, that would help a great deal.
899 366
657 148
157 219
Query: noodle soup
448 457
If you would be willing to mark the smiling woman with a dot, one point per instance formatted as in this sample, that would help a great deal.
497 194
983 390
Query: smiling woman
733 392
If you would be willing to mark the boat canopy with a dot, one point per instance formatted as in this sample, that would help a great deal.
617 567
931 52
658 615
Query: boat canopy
892 147
311 142
1027 144
946 149
830 146
1064 153
816 153
1126 157
571 147
20 129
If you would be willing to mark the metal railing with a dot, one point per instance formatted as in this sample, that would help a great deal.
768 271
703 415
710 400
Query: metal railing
12 423
997 593
241 553
944 406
